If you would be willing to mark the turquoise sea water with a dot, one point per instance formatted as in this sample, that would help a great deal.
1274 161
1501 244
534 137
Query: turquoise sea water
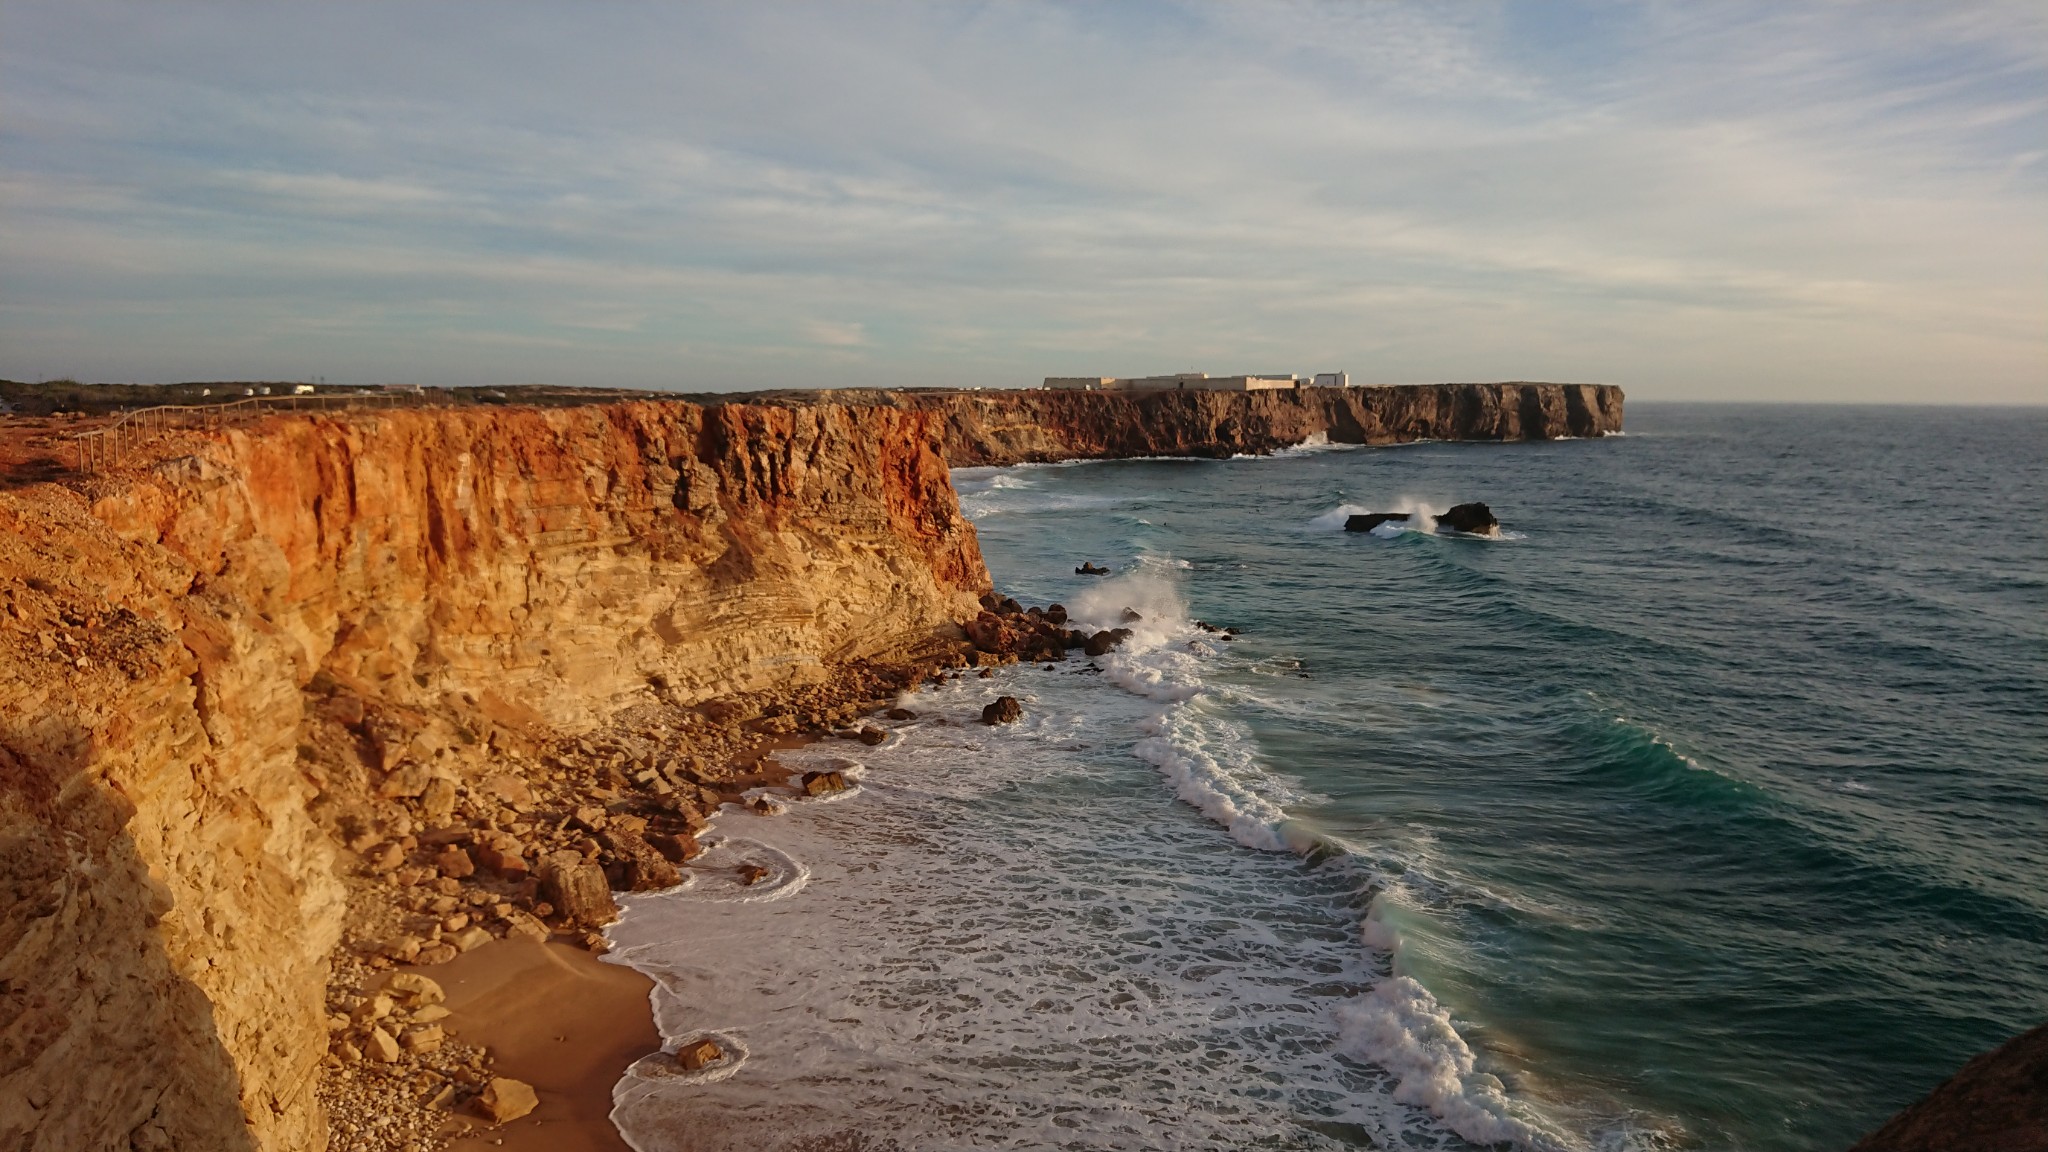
1707 808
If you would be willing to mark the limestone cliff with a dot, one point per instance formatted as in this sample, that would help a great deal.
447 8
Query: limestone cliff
1015 426
166 902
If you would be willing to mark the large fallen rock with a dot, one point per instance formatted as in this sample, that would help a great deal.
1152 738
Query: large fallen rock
647 870
578 889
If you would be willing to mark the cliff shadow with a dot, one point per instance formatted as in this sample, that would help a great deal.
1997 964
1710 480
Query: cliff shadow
103 1044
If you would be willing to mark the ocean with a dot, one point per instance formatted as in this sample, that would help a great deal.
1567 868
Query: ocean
1705 808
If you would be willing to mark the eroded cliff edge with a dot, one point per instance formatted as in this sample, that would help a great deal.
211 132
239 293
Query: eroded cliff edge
167 900
1039 425
185 641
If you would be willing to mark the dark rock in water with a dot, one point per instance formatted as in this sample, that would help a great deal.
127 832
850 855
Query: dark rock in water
1367 521
900 714
1474 518
1998 1102
752 874
986 674
1090 568
1056 614
1102 643
1004 711
1132 616
871 735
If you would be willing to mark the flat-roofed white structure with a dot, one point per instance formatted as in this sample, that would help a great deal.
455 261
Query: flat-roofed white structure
1194 381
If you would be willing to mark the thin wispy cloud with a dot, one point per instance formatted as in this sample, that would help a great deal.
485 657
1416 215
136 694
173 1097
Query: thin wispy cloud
1691 200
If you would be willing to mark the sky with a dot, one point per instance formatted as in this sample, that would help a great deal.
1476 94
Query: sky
1776 201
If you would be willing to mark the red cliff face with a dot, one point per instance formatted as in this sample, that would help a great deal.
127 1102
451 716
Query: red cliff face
167 904
1008 427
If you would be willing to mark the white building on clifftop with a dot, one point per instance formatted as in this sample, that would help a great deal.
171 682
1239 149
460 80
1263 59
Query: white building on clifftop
1198 381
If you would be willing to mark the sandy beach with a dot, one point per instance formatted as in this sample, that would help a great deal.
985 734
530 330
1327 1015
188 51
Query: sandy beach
559 1019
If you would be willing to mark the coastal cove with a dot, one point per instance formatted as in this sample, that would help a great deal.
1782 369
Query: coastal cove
1656 899
1455 840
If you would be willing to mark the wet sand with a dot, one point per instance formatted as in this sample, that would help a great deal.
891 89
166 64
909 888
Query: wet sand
563 1021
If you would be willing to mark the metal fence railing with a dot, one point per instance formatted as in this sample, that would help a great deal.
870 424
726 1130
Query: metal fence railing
102 448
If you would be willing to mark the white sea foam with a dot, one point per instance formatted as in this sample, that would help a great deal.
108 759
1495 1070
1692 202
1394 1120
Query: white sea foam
1014 940
1401 1027
992 946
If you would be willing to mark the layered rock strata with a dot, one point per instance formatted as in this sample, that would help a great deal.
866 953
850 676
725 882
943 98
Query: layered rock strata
168 901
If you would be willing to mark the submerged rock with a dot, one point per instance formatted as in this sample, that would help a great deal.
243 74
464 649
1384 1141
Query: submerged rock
1090 568
1367 521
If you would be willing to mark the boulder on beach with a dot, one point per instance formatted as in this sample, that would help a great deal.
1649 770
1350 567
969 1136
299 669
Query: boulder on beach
1005 710
505 1100
1056 614
578 889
